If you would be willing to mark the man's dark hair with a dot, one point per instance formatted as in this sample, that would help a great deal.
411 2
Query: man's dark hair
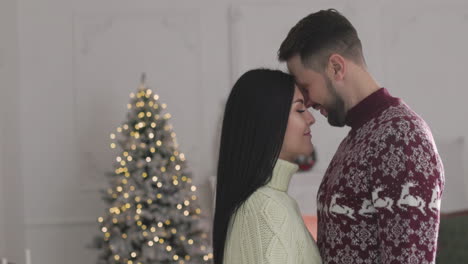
319 35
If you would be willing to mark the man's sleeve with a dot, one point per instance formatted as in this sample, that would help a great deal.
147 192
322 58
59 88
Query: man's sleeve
407 183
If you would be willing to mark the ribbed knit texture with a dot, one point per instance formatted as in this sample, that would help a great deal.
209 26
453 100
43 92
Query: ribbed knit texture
268 227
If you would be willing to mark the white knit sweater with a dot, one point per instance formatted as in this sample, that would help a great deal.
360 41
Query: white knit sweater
268 227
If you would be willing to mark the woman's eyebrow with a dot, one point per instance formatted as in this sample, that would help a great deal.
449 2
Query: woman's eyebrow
299 101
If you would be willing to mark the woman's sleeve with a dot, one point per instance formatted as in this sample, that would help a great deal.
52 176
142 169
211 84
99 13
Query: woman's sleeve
267 234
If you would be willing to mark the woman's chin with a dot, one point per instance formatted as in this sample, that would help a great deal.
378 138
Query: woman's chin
309 150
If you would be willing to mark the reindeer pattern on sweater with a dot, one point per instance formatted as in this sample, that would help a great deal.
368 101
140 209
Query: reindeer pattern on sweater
379 201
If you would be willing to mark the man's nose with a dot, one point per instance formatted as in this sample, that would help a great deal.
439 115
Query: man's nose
308 103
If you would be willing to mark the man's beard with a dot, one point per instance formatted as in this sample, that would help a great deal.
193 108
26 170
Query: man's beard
336 109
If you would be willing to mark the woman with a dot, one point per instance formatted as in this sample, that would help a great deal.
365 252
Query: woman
265 128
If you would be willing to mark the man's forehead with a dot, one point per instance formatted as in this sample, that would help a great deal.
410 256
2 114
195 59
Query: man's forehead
295 71
298 81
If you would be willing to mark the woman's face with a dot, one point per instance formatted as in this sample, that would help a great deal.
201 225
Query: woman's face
297 140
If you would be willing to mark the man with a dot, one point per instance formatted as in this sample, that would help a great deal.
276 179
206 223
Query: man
379 200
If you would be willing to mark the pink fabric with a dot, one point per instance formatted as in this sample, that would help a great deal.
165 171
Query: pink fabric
311 223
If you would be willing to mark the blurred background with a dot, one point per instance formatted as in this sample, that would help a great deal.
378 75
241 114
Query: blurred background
67 68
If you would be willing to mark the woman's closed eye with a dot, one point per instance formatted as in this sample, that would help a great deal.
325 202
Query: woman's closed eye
301 111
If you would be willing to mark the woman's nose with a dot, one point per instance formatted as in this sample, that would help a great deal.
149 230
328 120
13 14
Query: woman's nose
310 118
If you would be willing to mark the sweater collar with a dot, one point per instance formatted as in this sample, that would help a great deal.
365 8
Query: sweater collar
282 173
369 107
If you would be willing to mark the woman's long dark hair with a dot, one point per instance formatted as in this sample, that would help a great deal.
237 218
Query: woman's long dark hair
254 125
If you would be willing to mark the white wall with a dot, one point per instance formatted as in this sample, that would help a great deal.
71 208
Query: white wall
12 235
79 60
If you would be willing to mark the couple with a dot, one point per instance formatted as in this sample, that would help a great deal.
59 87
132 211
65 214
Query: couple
379 200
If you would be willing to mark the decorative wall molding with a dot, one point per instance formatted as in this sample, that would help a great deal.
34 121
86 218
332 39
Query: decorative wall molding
109 56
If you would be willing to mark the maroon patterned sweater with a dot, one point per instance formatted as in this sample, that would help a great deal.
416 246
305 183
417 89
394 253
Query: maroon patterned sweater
379 200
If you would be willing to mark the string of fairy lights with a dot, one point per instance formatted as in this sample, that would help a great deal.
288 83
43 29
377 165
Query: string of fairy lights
125 202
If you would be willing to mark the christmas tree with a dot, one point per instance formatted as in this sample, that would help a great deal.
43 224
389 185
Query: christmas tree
153 214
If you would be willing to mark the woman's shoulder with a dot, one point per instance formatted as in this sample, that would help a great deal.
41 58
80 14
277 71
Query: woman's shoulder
266 202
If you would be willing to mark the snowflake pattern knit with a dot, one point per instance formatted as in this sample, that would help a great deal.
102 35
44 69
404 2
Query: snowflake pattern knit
379 200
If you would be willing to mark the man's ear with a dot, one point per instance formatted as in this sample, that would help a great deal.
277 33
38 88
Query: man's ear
336 67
